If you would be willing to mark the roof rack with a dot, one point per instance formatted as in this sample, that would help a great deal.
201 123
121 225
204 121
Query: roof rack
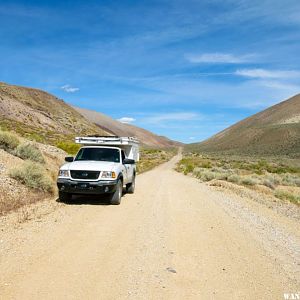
106 140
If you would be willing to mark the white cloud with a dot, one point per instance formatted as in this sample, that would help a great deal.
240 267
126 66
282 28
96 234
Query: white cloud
169 117
262 73
293 88
192 138
218 58
126 120
69 89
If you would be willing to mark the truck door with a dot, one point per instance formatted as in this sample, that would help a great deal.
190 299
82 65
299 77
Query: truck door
126 168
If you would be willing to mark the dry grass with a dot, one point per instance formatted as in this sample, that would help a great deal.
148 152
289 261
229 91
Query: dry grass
8 141
69 147
278 177
151 158
29 151
32 175
9 203
285 195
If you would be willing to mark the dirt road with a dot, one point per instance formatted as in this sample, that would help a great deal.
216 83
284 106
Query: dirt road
175 238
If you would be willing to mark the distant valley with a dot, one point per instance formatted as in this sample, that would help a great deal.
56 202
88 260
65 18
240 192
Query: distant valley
40 116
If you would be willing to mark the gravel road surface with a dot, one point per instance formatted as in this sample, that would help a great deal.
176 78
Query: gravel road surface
175 238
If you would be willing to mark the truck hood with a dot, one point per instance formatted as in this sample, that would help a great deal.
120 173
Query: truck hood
90 166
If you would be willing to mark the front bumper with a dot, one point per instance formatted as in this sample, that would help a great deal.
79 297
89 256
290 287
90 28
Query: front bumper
86 187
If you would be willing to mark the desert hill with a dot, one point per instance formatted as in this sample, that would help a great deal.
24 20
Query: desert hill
117 128
38 115
33 112
274 131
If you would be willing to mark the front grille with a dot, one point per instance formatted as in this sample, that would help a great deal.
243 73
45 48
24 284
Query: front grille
85 174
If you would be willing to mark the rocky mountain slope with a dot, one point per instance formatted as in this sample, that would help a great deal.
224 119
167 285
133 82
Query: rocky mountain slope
274 131
117 128
41 116
32 112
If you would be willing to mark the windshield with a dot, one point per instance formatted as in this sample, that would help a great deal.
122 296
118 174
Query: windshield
98 154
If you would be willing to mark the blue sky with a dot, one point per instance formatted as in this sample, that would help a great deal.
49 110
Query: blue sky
182 68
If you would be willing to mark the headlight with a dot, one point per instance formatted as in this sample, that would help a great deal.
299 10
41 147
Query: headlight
106 174
63 173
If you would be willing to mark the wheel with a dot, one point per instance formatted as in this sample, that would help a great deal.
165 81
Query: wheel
130 187
64 197
116 196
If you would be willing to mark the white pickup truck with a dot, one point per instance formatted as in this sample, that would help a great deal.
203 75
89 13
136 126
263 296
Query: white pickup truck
103 165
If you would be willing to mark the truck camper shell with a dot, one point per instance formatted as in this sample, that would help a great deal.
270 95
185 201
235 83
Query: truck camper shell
130 145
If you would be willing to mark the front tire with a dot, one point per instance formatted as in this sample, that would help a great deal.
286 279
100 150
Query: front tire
64 197
116 196
130 187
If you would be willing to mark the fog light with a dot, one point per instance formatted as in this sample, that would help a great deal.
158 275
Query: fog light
106 189
62 188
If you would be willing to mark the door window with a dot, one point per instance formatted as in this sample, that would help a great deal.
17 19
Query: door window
123 156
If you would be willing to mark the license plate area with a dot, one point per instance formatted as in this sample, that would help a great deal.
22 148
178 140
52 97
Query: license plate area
83 186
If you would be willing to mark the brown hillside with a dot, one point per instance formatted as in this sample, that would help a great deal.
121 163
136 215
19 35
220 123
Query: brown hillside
37 113
113 126
274 131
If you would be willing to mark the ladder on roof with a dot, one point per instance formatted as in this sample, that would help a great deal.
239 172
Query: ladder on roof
106 140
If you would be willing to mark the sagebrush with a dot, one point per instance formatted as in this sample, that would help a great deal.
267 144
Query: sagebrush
8 141
250 173
29 151
33 175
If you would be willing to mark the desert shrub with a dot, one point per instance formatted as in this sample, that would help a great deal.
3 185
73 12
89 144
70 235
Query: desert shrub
284 195
8 141
150 158
69 147
151 151
221 175
274 178
256 167
245 171
197 169
217 169
291 180
29 151
234 178
271 180
36 137
263 166
268 183
32 175
189 168
282 169
207 175
206 164
249 180
197 172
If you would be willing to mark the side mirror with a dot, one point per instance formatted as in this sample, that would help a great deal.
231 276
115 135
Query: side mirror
128 161
69 158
